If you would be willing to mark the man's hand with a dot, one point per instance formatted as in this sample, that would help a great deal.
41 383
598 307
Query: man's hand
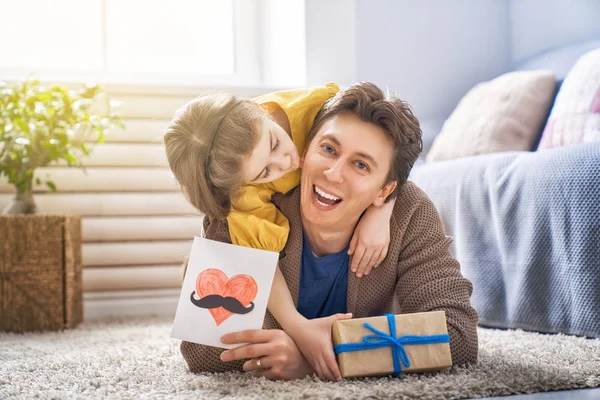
313 337
279 356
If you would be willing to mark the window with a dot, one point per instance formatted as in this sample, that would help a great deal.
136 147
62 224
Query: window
183 42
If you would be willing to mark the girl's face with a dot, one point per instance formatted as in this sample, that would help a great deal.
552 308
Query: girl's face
274 156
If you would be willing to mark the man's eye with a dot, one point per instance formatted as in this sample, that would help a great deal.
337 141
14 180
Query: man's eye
266 173
276 145
328 149
362 165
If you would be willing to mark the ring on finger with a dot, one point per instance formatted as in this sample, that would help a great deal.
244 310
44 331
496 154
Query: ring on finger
259 364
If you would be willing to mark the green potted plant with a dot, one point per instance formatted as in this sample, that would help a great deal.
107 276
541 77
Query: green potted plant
40 125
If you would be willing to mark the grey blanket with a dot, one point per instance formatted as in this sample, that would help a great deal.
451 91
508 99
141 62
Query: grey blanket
526 228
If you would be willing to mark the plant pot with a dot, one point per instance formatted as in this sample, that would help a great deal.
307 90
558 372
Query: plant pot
21 204
40 272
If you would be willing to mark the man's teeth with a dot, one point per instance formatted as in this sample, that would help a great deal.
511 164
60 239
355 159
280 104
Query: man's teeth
326 195
323 204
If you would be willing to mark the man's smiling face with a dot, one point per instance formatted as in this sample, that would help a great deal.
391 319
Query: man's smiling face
344 171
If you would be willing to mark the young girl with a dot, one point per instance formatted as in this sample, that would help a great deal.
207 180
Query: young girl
230 155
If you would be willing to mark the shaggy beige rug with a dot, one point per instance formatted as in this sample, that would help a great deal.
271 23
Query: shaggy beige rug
136 359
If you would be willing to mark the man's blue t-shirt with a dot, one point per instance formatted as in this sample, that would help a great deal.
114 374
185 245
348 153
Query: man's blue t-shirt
323 283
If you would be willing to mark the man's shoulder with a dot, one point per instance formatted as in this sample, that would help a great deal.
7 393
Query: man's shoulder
410 200
288 202
411 193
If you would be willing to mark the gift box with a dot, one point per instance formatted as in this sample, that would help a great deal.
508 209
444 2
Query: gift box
40 272
392 344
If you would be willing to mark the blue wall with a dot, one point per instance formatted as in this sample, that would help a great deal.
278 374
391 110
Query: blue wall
537 25
432 52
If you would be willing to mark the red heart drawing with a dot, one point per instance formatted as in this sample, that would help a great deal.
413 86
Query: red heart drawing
214 281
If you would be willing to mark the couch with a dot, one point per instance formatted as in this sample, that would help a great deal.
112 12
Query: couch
526 225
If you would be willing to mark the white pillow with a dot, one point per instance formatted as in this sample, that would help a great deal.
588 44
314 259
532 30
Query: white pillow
575 116
504 114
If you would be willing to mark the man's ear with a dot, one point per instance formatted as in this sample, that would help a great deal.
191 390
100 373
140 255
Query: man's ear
384 193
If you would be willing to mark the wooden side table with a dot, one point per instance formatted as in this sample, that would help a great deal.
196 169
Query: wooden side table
40 272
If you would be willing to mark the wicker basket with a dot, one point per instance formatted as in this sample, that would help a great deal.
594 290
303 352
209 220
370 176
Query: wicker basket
40 272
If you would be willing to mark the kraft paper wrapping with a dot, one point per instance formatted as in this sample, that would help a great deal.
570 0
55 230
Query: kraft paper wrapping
373 362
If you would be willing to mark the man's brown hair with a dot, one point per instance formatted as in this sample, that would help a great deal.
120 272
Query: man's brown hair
386 111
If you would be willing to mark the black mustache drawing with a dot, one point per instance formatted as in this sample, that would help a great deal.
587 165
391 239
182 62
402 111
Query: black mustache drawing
229 303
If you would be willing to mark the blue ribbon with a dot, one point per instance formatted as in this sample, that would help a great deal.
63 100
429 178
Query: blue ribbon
382 339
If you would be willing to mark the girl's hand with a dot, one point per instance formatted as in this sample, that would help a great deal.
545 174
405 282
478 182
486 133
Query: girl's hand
370 241
313 338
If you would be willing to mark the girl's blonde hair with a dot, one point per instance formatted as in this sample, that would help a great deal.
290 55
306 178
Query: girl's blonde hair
207 143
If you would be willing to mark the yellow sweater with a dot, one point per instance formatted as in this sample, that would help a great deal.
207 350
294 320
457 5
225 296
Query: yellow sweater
254 221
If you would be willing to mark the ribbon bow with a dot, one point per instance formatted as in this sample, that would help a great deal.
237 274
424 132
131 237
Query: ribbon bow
382 339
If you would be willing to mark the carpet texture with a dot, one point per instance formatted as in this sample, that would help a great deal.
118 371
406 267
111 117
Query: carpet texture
136 359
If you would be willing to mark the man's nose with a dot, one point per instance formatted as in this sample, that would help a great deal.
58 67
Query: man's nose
336 172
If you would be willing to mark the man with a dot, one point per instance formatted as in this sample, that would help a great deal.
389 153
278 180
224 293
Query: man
359 153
